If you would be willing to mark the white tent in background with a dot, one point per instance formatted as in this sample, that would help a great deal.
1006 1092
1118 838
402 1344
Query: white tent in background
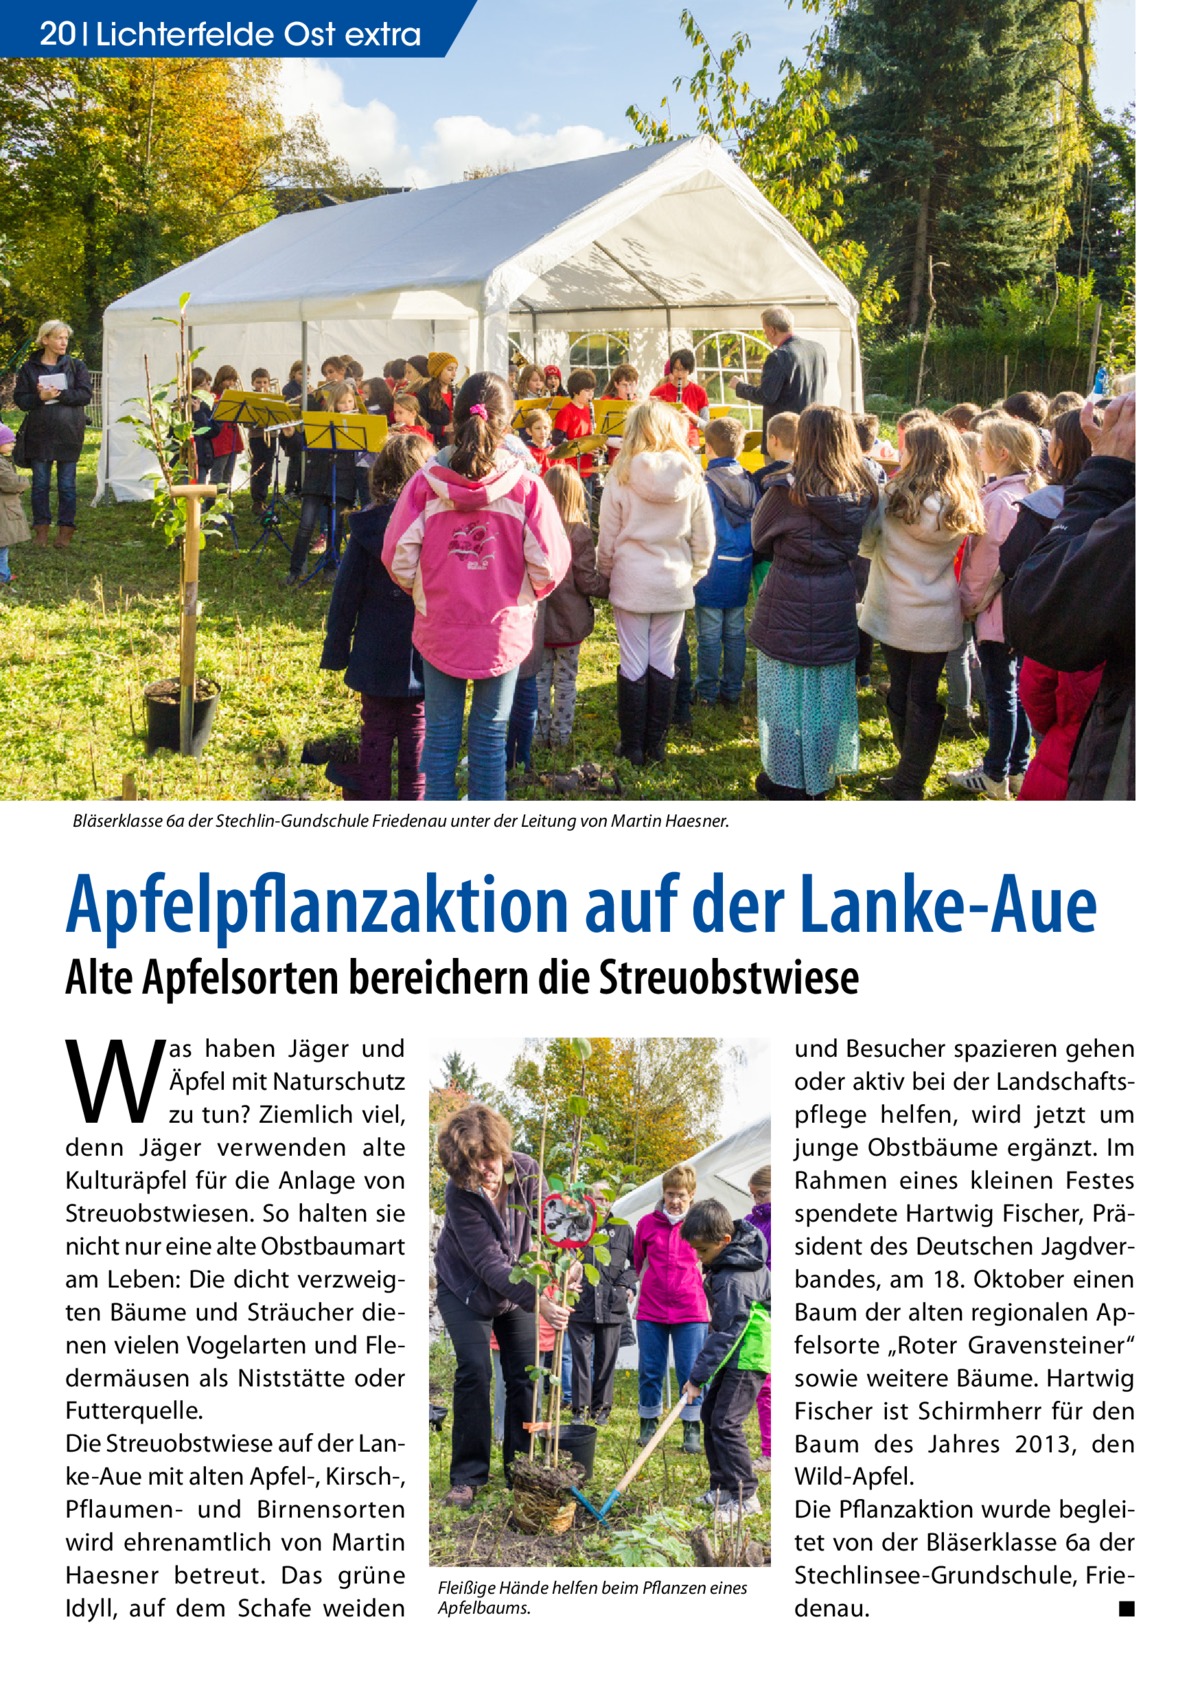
655 242
722 1172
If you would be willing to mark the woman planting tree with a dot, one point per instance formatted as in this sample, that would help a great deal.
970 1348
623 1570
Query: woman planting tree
492 1200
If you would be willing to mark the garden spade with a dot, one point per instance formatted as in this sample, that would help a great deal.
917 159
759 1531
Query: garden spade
600 1512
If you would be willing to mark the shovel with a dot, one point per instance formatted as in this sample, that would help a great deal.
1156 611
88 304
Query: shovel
600 1512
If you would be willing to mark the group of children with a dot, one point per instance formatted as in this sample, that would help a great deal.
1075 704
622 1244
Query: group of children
480 542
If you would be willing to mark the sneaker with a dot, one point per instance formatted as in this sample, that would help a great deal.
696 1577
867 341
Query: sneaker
730 1509
459 1496
1014 784
976 780
763 1463
601 1416
706 1499
960 724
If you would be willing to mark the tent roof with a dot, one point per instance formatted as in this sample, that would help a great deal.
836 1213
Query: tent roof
722 1172
665 226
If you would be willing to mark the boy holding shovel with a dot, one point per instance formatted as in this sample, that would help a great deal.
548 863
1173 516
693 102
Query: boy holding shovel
736 1355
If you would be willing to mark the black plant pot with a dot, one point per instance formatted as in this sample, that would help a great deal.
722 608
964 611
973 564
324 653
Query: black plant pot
162 714
579 1442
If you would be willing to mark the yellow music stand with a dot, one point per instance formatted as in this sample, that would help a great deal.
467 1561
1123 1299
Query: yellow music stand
611 413
344 431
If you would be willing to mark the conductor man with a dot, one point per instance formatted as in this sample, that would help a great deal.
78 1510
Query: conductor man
793 374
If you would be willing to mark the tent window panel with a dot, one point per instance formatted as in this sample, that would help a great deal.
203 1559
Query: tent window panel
602 351
727 358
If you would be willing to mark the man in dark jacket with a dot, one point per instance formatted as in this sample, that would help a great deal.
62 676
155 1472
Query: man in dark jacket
1071 605
736 1356
793 374
596 1320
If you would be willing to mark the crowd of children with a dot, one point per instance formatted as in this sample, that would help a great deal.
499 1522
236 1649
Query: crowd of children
844 541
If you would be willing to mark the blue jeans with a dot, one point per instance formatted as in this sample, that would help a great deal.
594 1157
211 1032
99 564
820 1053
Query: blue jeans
41 492
5 571
518 747
654 1341
1008 725
717 630
445 701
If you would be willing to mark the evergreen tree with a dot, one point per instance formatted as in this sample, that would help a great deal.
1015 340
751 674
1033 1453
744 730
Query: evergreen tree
1099 225
965 122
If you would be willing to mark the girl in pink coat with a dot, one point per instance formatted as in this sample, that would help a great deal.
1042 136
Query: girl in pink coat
672 1312
475 540
1010 452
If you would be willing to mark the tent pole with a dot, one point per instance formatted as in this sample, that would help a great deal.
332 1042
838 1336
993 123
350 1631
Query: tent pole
303 389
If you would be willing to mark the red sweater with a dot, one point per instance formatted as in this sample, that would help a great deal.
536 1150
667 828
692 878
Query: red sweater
576 422
694 397
540 455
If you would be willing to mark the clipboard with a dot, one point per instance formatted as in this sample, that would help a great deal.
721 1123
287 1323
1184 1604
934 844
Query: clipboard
345 431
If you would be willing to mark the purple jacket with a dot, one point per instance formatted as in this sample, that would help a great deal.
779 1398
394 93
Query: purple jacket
672 1279
479 1246
760 1217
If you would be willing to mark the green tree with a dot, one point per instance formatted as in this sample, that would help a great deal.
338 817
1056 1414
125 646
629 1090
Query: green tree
786 141
652 1102
964 114
113 171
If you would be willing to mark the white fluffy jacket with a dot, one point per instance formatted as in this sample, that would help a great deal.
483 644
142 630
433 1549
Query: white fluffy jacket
657 535
912 599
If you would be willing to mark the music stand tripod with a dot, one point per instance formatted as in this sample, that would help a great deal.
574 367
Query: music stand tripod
256 408
272 512
334 432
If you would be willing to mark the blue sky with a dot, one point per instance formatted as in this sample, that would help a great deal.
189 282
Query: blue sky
538 82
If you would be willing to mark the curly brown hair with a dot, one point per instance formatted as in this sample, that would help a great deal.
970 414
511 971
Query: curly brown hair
471 1135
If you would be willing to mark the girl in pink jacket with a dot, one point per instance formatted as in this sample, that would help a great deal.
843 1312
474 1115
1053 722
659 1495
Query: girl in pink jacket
1009 453
672 1313
475 540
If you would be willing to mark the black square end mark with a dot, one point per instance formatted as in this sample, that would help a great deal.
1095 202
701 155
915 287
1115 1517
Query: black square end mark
1125 1610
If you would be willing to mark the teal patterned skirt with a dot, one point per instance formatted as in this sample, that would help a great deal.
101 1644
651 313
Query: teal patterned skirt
807 723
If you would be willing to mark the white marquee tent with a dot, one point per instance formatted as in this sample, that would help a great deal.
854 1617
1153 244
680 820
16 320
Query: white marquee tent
654 242
723 1173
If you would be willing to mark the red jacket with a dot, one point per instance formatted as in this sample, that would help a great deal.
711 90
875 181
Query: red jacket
576 422
226 438
1057 705
694 397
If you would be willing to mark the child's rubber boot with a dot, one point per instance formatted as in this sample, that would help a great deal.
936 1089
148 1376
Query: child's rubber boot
646 1430
691 1437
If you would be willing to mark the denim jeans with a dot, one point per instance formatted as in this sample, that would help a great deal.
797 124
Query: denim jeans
654 1341
964 677
5 570
1008 725
40 493
720 630
518 745
487 728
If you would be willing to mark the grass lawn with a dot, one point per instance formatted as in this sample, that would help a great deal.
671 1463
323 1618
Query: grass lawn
85 630
650 1521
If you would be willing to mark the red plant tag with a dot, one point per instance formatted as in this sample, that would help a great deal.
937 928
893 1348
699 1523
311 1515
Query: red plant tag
568 1223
